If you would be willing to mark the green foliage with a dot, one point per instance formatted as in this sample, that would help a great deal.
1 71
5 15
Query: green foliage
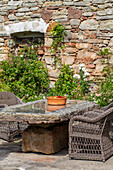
83 85
25 76
105 90
30 50
66 82
70 86
58 34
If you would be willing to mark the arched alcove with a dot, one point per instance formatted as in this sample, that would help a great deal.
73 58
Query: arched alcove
23 32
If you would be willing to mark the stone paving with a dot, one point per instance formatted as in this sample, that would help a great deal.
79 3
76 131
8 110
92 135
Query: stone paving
12 158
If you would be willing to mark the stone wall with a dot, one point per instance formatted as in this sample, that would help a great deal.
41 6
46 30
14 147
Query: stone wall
89 24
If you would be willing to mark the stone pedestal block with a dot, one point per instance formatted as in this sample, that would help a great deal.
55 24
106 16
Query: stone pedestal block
46 140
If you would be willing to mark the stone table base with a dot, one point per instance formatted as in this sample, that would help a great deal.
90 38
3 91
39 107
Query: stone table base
46 140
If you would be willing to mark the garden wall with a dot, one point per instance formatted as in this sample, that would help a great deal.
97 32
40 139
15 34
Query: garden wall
89 24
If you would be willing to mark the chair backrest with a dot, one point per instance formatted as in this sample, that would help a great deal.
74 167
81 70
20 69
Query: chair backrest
107 107
9 98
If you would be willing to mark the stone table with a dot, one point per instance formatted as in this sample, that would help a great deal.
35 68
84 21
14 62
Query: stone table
48 125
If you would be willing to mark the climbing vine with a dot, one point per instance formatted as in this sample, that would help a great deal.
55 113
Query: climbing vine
58 34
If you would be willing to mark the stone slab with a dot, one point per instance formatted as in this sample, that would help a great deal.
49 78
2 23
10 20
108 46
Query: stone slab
9 114
45 140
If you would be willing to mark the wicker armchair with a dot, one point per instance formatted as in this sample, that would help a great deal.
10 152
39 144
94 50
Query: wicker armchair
8 130
89 135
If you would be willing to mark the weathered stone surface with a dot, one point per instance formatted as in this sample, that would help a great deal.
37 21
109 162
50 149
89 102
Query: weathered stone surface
68 3
88 14
12 17
24 10
86 56
48 42
49 59
89 24
82 3
1 19
75 22
106 17
68 60
111 43
99 67
15 3
90 66
75 36
36 15
46 15
29 4
49 4
98 2
33 26
70 50
52 82
1 40
20 14
46 140
74 13
83 45
53 73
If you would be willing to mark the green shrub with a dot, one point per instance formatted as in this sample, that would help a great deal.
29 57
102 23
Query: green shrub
105 90
67 84
26 77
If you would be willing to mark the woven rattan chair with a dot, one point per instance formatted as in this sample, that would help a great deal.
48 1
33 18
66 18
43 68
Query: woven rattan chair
8 130
89 135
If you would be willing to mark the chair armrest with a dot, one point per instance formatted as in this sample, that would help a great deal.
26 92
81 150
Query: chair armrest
84 119
108 113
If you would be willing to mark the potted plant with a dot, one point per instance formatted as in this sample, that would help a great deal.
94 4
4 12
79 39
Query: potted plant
56 100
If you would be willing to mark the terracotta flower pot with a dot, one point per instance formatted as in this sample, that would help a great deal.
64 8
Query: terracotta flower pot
53 107
56 100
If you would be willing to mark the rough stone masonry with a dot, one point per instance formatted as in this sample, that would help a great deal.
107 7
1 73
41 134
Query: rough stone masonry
89 24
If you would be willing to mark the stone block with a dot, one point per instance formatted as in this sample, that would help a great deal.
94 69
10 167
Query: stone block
89 24
53 73
86 56
11 17
68 60
46 15
90 66
74 13
52 4
49 59
75 22
48 42
106 25
82 4
45 140
83 45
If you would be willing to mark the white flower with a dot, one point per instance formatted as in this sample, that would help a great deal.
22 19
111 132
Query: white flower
76 76
83 69
82 65
21 55
70 66
86 73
